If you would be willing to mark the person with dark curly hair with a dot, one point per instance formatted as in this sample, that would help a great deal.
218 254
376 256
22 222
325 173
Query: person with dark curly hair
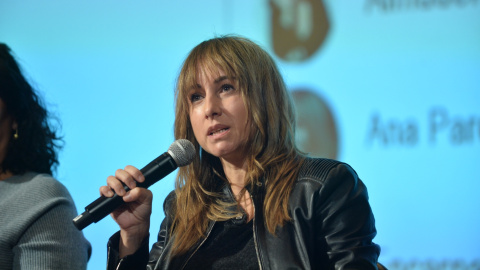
36 229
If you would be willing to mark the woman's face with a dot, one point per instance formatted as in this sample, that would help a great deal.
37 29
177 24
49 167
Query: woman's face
218 116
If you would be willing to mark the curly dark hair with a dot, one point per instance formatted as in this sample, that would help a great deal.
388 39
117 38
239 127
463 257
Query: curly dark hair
37 144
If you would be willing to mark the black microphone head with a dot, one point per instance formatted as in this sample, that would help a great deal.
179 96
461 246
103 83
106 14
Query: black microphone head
182 151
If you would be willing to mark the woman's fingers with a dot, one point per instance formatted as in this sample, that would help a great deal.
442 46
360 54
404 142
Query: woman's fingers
106 191
116 185
128 176
140 195
135 173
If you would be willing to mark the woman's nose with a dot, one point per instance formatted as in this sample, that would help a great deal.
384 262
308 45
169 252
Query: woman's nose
212 106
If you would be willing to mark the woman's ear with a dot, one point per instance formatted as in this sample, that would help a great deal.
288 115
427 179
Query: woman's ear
14 125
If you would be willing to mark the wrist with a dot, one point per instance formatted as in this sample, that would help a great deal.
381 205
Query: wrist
130 241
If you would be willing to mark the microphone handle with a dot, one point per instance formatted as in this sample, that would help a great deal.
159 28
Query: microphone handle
152 172
101 207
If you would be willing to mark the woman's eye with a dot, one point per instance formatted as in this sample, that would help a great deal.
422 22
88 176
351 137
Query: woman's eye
195 97
227 87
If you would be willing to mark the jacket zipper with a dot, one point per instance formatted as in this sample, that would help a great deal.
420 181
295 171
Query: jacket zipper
119 262
255 235
201 243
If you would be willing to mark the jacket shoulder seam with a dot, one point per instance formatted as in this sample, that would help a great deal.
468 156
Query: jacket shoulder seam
317 169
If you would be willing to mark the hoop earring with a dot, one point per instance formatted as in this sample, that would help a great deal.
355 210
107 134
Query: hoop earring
15 136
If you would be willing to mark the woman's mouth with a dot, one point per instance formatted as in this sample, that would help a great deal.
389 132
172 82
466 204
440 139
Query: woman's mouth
218 131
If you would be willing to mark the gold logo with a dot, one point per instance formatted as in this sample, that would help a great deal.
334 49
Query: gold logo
299 28
316 132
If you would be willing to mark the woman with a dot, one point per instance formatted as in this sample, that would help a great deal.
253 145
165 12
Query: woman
250 199
36 219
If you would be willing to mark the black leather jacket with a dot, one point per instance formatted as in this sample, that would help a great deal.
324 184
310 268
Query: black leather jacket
332 227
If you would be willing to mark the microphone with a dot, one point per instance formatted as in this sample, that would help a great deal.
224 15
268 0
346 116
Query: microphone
180 153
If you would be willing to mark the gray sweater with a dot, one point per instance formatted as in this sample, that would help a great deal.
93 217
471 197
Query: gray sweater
36 228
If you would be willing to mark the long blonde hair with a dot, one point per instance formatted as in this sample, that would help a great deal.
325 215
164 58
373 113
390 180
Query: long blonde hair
272 154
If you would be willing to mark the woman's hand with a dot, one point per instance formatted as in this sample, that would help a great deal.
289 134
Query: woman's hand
133 217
